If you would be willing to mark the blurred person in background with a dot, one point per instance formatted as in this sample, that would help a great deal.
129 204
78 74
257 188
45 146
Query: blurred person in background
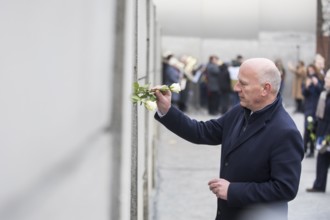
172 74
213 86
233 71
280 66
202 81
189 64
225 88
323 134
165 64
259 171
311 89
319 62
299 76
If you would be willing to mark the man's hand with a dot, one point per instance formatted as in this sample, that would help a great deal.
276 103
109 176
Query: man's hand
163 100
219 187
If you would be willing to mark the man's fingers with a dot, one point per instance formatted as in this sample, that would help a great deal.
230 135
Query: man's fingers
156 87
214 181
219 187
160 94
213 186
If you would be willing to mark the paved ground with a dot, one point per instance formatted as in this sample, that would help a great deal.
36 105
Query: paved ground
184 169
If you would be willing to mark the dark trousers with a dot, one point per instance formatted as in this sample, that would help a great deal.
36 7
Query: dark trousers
203 95
299 105
224 102
213 103
183 100
322 166
308 141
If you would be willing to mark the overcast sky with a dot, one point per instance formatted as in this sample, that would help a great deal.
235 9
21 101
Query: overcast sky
234 18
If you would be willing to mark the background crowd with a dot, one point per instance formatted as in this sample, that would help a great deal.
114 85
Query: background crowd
204 86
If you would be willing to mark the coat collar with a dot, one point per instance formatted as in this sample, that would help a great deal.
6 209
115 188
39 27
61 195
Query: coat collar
254 123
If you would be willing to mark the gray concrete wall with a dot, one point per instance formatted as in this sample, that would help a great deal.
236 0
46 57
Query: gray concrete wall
147 71
235 19
72 144
55 69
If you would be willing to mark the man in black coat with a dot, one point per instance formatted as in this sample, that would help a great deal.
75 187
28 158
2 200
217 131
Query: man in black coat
213 86
262 148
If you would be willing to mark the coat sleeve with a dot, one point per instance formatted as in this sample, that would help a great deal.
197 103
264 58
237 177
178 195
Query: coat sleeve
198 132
285 162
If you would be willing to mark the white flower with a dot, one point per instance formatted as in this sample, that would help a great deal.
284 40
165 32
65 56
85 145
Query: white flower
310 119
144 95
150 105
175 87
324 142
164 88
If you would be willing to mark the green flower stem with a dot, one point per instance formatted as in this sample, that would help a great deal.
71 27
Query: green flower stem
145 95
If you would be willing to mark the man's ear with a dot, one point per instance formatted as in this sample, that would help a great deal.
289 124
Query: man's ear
267 89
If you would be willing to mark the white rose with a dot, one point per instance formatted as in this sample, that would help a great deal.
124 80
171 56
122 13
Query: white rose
175 87
150 105
324 142
310 119
164 88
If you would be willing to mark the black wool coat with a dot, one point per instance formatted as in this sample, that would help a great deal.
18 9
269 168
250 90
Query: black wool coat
261 157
